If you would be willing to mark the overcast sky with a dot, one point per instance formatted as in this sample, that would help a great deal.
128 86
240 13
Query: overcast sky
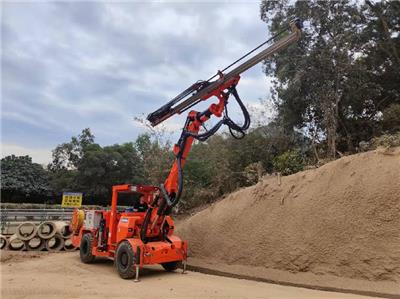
68 66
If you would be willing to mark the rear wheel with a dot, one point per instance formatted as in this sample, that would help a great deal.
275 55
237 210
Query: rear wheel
125 260
171 266
85 249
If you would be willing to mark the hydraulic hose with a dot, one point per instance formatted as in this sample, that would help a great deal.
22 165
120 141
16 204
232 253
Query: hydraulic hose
171 201
145 224
231 124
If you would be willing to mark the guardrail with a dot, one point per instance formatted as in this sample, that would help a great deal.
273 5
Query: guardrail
18 215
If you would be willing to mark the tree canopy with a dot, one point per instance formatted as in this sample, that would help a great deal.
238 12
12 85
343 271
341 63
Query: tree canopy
341 81
21 179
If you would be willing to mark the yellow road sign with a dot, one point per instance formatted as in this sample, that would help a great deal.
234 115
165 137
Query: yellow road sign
71 199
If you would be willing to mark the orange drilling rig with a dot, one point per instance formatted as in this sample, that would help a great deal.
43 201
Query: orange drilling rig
144 234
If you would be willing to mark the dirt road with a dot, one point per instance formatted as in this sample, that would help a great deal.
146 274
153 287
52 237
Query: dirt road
62 275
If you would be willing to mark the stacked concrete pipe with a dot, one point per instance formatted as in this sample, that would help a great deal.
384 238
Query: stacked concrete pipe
26 231
55 243
64 230
3 242
50 235
68 246
35 244
47 230
15 243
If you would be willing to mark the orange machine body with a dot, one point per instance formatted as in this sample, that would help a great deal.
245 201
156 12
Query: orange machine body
122 226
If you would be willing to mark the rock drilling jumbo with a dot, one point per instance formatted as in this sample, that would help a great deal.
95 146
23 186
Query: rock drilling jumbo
144 234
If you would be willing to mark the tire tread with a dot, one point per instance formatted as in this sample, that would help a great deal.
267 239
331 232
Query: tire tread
130 272
89 257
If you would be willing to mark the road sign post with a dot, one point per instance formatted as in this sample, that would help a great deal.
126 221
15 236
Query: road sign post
71 199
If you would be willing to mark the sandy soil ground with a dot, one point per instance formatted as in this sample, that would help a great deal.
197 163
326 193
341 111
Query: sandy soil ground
334 226
62 275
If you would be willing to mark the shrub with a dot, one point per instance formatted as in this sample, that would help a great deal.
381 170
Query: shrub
386 140
391 118
289 162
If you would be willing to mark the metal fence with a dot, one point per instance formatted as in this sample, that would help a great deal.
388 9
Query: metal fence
19 215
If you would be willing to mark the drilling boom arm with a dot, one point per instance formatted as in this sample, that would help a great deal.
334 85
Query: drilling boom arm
204 91
222 88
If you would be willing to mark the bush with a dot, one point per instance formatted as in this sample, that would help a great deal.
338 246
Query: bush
289 162
386 140
253 173
391 118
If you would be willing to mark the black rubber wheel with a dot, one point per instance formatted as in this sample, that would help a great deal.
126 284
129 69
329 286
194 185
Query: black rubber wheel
171 266
85 249
125 260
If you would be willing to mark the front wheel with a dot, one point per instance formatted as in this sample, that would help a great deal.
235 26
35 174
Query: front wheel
125 260
85 249
171 266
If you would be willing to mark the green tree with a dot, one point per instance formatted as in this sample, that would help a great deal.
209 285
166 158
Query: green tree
66 159
68 155
21 177
335 83
155 157
102 167
83 165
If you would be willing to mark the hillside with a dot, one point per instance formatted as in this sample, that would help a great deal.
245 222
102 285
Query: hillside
342 219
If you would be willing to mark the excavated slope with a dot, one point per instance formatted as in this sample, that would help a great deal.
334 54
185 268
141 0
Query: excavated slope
341 219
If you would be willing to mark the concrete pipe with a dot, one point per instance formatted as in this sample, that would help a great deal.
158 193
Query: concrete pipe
46 230
26 231
55 243
35 244
68 246
62 228
3 242
14 243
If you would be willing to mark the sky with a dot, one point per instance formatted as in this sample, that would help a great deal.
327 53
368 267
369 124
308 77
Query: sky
71 65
